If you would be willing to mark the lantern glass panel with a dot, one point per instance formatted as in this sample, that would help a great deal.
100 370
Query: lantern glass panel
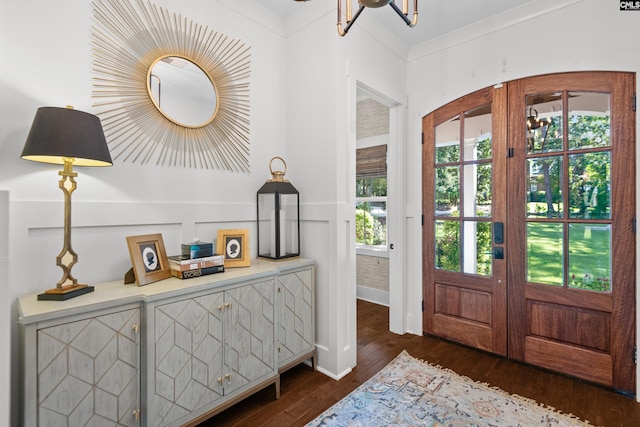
266 225
289 225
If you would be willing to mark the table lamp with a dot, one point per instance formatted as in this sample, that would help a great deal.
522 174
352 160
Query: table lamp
67 137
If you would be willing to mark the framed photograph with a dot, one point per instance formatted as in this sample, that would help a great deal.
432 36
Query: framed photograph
148 258
234 245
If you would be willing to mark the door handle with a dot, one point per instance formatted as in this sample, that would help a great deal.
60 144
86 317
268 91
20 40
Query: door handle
498 253
498 233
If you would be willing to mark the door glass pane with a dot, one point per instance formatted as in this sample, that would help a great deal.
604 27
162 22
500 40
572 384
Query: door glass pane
544 253
590 185
589 120
448 141
544 187
590 257
447 244
447 191
477 190
477 252
477 133
544 122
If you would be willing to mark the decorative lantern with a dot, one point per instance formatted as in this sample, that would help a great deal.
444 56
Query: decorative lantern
278 217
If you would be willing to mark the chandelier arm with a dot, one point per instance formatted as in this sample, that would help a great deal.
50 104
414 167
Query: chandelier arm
415 14
342 32
401 14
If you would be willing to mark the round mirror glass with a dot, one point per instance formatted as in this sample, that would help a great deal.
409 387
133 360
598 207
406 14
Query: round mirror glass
182 91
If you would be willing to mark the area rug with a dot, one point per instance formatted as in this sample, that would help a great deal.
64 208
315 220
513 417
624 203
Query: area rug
410 392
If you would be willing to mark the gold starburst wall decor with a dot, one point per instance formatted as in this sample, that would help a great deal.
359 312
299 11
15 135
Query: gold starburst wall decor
143 121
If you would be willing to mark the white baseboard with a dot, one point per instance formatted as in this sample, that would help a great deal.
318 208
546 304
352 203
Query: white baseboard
372 295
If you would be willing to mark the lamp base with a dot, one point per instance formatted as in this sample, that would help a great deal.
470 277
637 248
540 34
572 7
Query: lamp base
65 293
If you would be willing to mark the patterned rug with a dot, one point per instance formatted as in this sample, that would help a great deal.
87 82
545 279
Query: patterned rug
410 392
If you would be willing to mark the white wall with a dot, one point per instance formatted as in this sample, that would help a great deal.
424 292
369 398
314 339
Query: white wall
303 97
46 61
50 64
573 35
324 71
5 304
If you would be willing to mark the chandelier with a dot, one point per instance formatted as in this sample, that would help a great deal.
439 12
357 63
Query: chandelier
351 18
533 124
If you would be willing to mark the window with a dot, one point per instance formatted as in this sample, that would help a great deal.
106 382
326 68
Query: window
371 196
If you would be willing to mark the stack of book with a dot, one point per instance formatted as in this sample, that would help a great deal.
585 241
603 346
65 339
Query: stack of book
195 260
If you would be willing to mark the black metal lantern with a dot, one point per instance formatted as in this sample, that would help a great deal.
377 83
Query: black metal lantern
278 217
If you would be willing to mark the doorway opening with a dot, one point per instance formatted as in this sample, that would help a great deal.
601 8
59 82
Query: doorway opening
372 249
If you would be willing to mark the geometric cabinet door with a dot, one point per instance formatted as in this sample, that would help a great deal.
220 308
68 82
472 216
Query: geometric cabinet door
296 331
208 347
89 371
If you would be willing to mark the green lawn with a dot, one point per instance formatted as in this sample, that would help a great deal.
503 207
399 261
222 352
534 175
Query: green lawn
589 253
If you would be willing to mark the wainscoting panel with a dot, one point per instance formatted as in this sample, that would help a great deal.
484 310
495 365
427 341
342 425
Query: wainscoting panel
99 232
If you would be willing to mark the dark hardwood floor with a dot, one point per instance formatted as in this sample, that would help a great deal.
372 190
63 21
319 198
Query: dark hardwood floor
305 393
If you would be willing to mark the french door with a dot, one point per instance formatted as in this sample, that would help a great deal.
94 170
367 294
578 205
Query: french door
464 150
529 204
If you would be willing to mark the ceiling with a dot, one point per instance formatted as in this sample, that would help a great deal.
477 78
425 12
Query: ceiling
436 17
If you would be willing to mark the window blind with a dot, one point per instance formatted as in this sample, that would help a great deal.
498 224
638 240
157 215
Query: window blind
371 162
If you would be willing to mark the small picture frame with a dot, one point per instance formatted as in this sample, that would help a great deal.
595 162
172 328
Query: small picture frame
234 245
148 258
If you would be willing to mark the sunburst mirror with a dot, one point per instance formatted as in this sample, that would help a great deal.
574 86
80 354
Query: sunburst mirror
169 90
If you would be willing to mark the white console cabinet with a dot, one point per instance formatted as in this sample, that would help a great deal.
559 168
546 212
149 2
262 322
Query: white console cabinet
171 353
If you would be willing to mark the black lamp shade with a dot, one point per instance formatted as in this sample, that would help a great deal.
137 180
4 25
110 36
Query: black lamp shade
59 133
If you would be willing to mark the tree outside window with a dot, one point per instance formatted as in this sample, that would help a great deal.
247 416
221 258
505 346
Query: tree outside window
371 196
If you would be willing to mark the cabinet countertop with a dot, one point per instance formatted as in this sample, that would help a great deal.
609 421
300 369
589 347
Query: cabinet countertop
32 310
